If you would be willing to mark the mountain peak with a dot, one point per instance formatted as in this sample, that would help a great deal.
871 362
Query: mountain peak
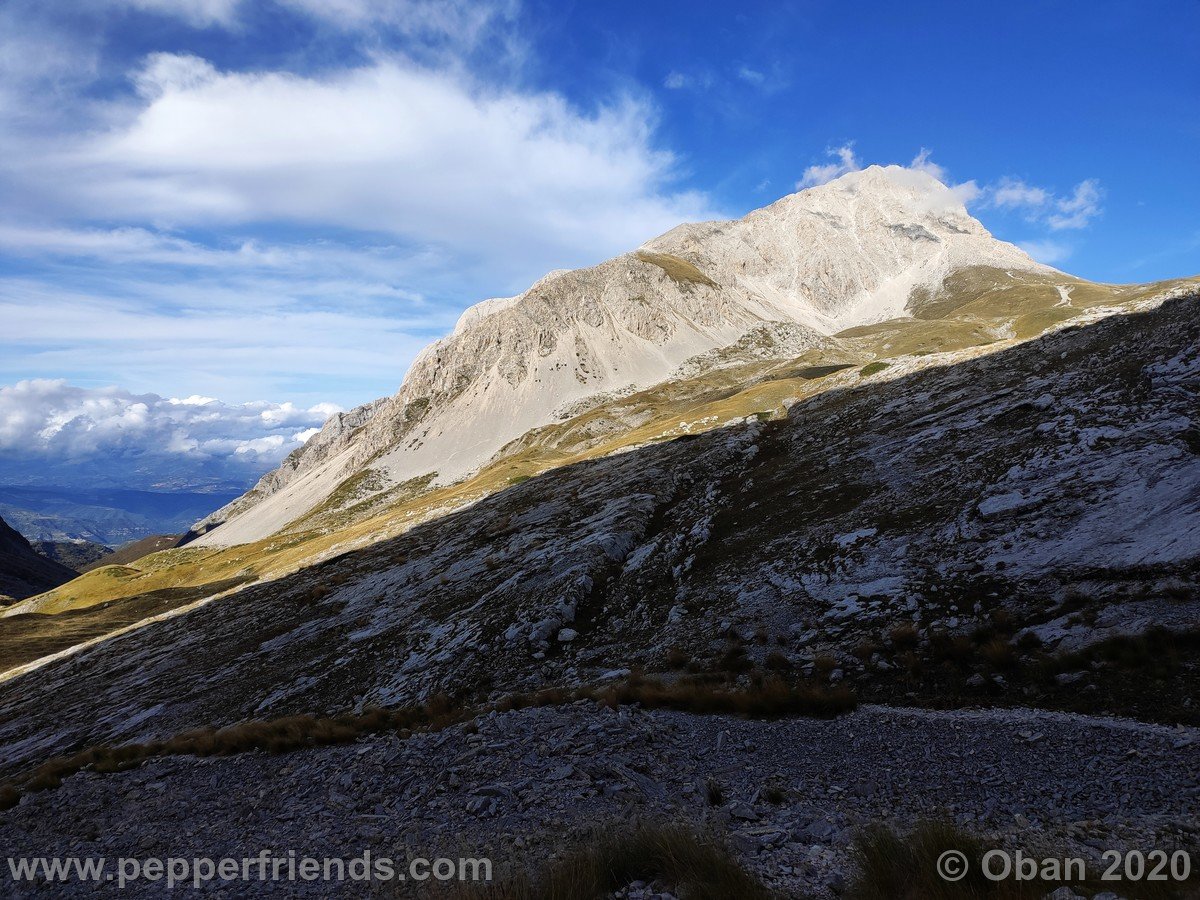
847 253
899 190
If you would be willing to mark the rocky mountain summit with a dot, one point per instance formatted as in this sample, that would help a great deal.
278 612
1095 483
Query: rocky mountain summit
852 252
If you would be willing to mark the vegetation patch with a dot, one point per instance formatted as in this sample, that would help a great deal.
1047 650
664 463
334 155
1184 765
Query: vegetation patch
678 270
690 863
873 368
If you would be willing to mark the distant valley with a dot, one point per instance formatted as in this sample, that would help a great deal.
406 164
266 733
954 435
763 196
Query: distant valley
108 516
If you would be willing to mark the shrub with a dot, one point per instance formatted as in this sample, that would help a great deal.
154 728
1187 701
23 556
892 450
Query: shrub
773 699
713 792
951 648
999 653
677 658
777 662
690 863
891 866
864 650
904 636
824 664
774 794
9 796
770 698
734 660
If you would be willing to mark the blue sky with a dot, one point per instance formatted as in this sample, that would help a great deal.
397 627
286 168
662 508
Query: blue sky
283 200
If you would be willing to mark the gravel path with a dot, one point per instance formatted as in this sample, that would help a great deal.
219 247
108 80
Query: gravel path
528 777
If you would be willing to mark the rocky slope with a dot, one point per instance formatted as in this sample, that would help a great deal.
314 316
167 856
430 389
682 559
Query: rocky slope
1006 528
521 785
852 252
1053 487
23 571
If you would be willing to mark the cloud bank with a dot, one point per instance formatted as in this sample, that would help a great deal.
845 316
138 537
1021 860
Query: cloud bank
242 230
172 440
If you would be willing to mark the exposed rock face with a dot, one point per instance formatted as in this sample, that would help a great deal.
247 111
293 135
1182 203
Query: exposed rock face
23 571
847 253
333 437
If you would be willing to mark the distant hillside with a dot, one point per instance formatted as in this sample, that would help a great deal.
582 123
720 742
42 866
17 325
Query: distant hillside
103 516
135 550
23 572
79 555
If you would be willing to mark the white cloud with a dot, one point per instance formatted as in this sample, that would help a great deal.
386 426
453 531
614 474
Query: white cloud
198 13
1042 206
523 181
1013 193
922 163
676 81
846 162
1079 209
1046 251
1038 205
301 437
218 336
751 76
464 20
60 421
231 233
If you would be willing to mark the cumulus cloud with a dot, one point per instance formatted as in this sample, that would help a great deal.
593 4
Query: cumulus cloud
429 156
1013 193
751 76
1038 205
1042 206
60 421
922 162
953 195
818 174
151 223
1079 209
234 231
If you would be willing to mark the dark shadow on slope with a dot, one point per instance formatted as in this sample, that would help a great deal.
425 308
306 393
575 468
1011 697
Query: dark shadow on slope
431 609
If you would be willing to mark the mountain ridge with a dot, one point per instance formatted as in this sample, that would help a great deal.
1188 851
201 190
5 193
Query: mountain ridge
849 253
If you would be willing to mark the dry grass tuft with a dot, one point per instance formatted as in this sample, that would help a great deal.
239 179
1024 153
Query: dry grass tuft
693 865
